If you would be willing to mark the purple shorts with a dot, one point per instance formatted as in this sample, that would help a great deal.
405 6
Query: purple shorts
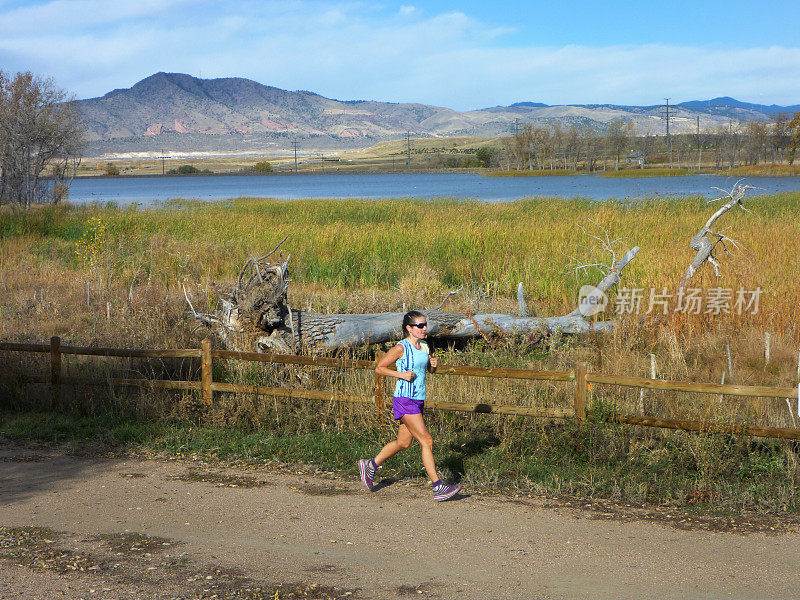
406 406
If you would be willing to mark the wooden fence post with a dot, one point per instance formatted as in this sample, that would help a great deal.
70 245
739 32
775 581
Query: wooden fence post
380 389
207 367
580 392
55 371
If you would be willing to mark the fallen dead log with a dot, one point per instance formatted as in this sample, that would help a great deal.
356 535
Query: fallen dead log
256 314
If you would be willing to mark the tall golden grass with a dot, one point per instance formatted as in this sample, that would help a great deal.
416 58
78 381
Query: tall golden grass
112 276
772 170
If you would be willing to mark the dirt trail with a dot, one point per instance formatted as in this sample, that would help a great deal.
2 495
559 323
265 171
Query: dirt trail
74 527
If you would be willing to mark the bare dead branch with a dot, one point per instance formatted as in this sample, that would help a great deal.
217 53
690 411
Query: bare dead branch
706 240
271 252
206 319
523 306
446 298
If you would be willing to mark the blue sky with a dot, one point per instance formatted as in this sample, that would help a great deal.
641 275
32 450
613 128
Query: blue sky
463 55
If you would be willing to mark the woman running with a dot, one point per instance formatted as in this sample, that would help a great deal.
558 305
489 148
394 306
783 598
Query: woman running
413 361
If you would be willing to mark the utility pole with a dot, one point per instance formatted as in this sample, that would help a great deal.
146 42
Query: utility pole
699 144
163 158
294 145
669 143
732 153
408 146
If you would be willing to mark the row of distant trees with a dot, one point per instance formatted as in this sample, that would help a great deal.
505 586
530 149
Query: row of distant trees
41 140
583 146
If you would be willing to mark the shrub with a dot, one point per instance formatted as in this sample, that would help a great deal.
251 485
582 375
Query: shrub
187 170
262 167
484 156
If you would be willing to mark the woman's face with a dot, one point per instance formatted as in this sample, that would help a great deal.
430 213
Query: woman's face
418 332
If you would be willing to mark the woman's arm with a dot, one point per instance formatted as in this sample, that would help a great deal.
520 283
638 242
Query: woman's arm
393 355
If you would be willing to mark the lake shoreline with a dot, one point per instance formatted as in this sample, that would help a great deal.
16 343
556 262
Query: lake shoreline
151 189
633 174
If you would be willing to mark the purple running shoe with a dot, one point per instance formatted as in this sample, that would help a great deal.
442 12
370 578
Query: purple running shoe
367 473
444 492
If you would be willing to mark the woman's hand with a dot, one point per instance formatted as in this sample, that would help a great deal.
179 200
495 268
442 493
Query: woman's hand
408 375
434 362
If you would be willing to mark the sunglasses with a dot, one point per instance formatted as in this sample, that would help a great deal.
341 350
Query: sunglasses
420 325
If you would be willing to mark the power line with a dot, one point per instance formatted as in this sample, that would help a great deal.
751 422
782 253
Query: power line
408 145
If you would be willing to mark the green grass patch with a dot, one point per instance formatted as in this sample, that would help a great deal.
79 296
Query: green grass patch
80 433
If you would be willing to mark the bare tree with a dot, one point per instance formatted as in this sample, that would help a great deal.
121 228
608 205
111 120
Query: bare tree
647 145
756 136
525 147
39 129
558 146
779 135
573 145
794 128
591 142
541 143
619 133
729 142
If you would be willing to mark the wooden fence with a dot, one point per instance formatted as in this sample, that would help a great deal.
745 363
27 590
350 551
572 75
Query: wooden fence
579 376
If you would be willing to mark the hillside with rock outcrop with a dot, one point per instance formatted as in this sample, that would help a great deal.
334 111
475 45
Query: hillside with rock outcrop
180 111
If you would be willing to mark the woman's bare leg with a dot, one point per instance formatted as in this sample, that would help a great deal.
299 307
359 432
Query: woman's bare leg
402 442
416 427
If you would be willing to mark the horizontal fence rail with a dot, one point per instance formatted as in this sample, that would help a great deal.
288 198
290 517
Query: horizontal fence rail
579 377
290 359
92 351
700 388
787 433
506 373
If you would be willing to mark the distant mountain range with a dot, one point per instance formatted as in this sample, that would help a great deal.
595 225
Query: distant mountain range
179 112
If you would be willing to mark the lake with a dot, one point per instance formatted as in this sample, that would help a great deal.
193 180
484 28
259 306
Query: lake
153 190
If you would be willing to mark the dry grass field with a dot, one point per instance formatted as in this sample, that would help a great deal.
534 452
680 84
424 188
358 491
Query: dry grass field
383 156
113 277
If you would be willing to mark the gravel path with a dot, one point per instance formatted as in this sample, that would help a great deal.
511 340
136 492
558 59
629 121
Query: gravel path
91 527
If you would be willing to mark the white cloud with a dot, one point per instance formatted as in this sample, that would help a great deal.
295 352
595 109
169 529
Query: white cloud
66 15
359 51
332 18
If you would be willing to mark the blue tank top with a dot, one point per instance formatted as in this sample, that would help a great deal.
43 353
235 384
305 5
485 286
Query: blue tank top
412 360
